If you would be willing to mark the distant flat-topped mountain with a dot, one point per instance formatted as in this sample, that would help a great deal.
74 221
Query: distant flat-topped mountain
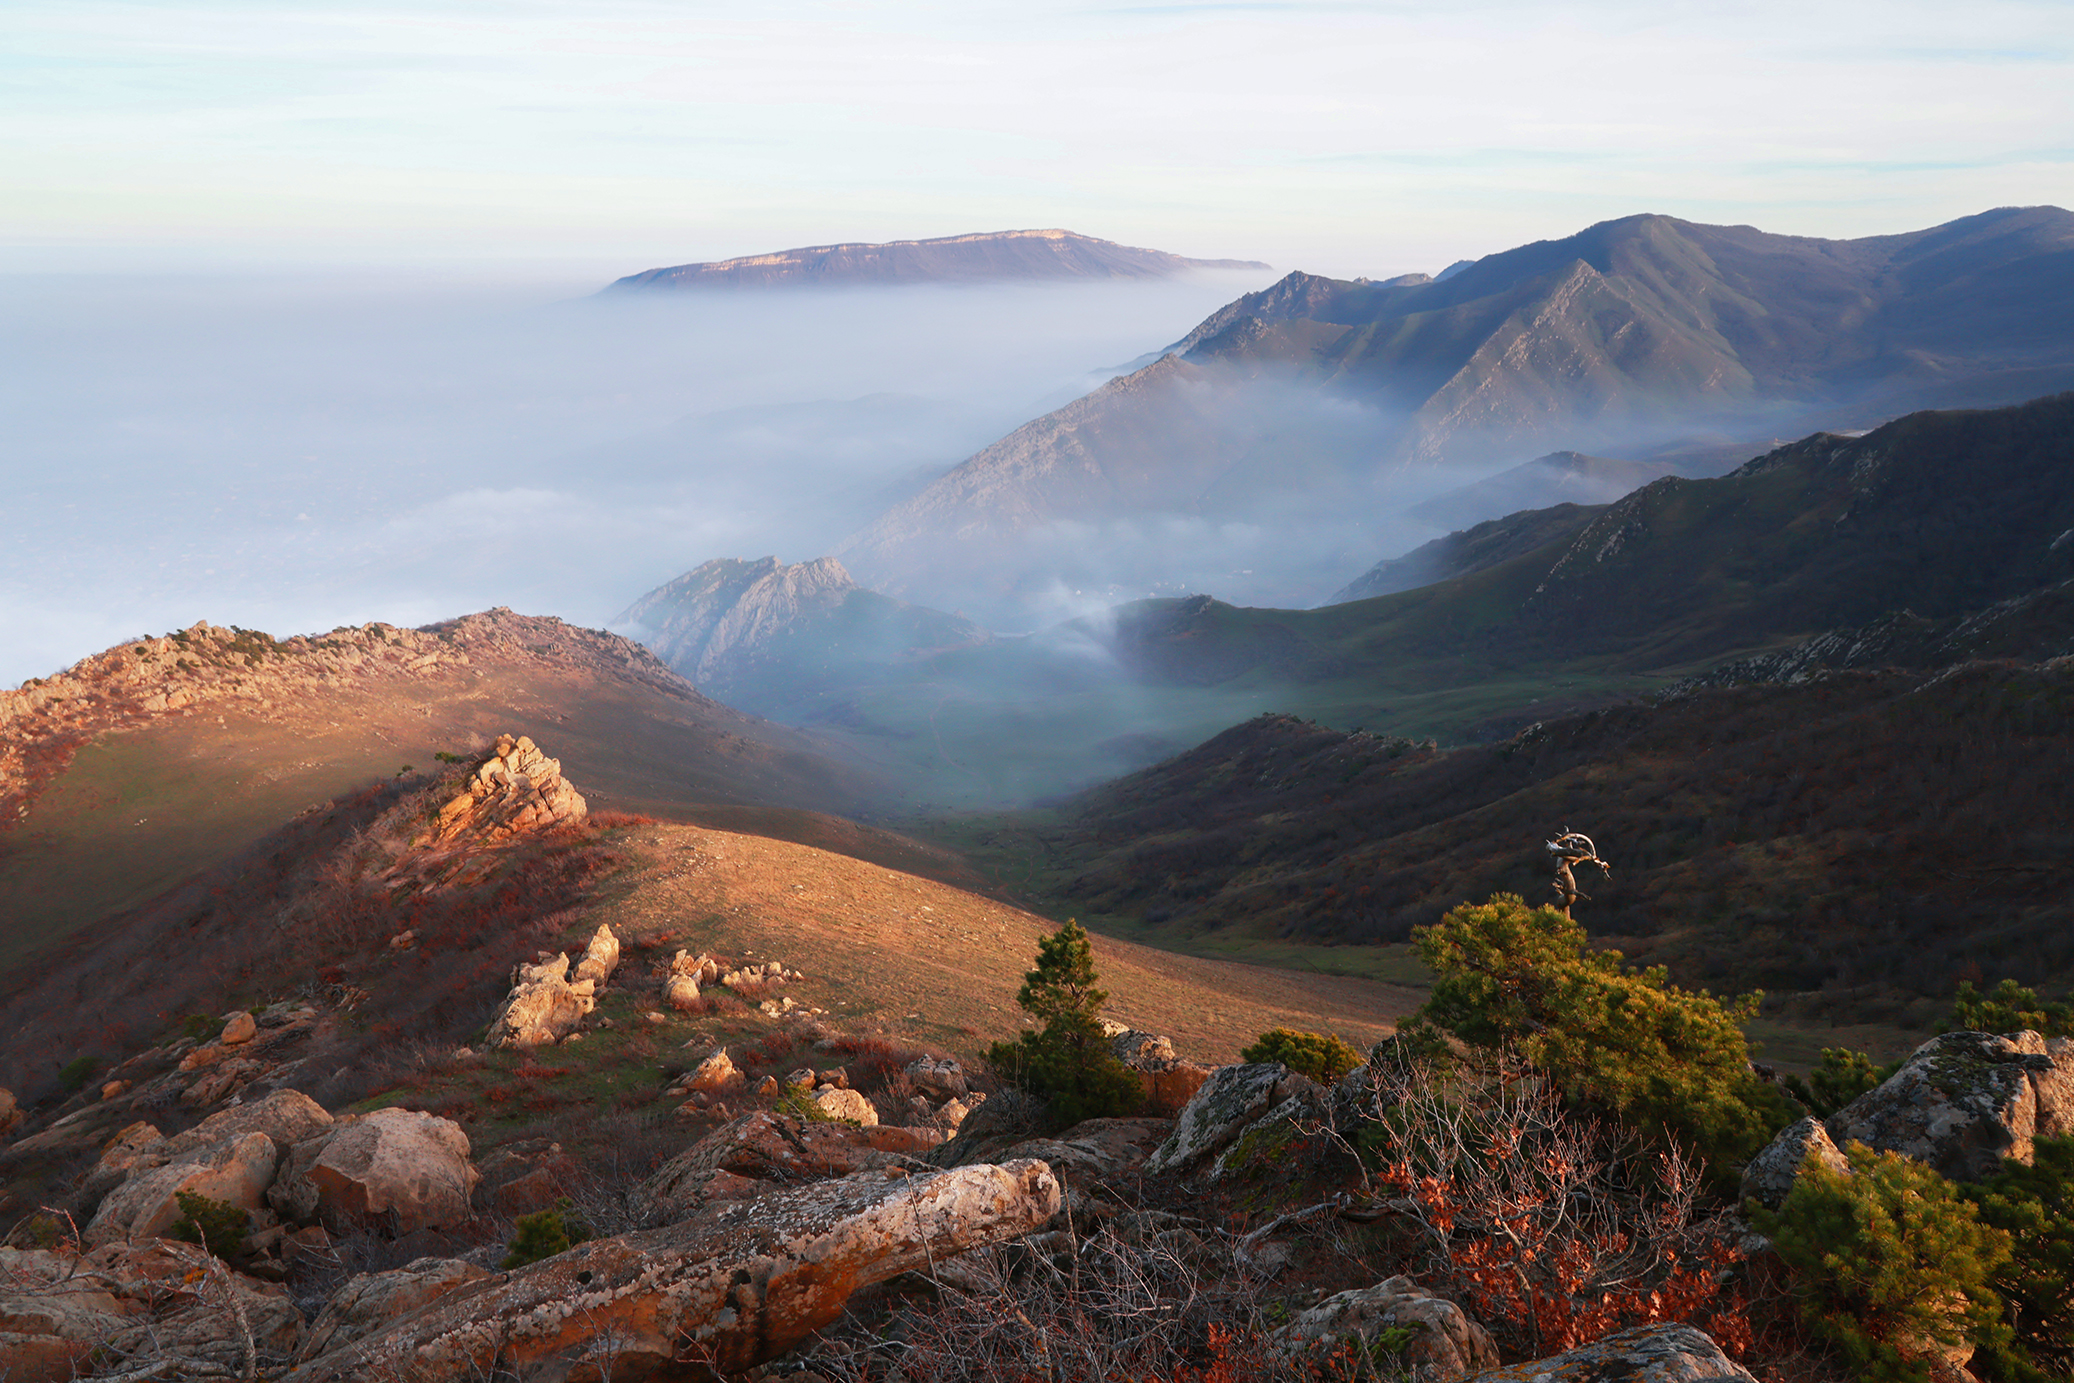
995 255
1297 405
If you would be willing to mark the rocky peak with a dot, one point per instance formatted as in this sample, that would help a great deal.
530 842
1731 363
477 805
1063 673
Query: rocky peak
515 790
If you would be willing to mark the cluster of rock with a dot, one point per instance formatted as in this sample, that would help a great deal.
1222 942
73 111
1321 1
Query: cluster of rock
549 998
688 975
516 790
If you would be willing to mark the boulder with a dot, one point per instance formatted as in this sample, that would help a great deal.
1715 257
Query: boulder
236 1172
1169 1082
739 1286
741 1156
1646 1354
1771 1174
939 1078
370 1301
10 1112
600 958
544 1005
406 1168
847 1105
1448 1345
53 1318
135 1149
681 987
286 1116
715 1075
524 1177
1231 1100
1965 1101
240 1028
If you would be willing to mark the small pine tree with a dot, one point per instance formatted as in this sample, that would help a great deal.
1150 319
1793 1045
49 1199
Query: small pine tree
544 1234
2034 1205
1843 1076
1626 1043
216 1225
1893 1261
1067 1062
2009 1007
1323 1057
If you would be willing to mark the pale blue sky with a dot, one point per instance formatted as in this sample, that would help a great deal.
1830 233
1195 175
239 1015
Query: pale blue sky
1346 138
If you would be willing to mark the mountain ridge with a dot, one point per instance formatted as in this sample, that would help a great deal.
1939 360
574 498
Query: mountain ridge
981 257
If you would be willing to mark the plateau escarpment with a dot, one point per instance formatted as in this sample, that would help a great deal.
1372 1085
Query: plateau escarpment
999 256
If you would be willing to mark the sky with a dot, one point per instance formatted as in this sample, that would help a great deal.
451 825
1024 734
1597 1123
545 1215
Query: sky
1344 138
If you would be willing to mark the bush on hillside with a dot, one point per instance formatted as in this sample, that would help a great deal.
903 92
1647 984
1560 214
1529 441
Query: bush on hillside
1892 1260
1067 1062
2008 1007
544 1234
1323 1057
1842 1077
1624 1043
215 1225
2034 1206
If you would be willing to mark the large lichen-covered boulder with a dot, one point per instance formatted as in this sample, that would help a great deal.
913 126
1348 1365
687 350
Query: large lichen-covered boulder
370 1301
1769 1177
735 1287
1646 1354
1230 1101
1448 1344
395 1167
236 1171
1965 1101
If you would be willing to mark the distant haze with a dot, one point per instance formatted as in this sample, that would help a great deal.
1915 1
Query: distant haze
292 454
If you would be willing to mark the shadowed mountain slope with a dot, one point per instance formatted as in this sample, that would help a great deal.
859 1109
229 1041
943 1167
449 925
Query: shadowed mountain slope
997 256
1561 477
1635 333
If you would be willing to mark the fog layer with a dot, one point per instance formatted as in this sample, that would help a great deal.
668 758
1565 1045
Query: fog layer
292 454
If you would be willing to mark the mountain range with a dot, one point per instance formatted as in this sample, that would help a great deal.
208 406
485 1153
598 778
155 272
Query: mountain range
997 256
1334 406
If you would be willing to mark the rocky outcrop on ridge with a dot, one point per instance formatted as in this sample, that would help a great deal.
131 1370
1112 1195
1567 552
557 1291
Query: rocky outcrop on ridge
547 1001
515 790
738 1286
1966 1101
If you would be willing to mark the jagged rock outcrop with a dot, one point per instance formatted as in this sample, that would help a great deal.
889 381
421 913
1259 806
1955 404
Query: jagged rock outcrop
1170 1082
1229 1102
600 958
938 1078
515 790
735 1287
400 1166
544 1005
1646 1354
1965 1101
370 1301
687 974
1770 1175
1448 1345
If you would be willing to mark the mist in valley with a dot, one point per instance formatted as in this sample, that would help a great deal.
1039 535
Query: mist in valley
292 453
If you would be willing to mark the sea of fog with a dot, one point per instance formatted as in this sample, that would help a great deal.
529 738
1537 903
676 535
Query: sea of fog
294 453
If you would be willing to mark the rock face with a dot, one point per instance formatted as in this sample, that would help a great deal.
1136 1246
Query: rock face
1098 1157
237 1172
939 1078
1232 1099
544 1005
600 958
1646 1354
735 1287
1170 1083
1449 1343
371 1301
1967 1100
58 1312
1770 1176
517 789
848 1106
396 1163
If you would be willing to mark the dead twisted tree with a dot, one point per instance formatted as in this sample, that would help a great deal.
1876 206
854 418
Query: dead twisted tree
1571 848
